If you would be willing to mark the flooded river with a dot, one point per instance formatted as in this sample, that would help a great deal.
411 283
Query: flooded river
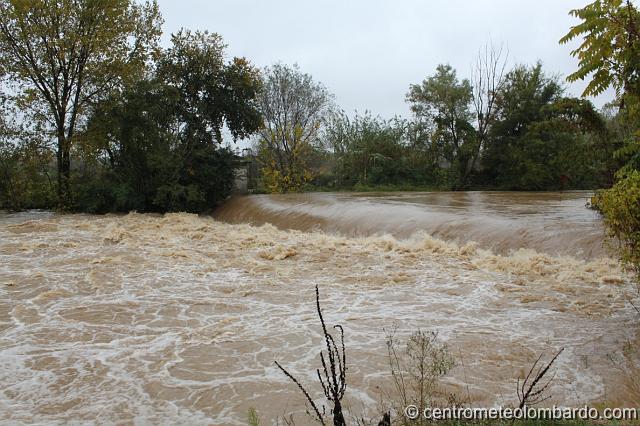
178 318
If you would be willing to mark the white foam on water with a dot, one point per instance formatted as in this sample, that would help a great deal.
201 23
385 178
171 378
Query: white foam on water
179 318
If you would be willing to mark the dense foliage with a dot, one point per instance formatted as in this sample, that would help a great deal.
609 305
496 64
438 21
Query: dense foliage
610 50
102 119
536 139
620 207
60 57
369 151
160 139
130 126
444 102
542 140
609 56
26 178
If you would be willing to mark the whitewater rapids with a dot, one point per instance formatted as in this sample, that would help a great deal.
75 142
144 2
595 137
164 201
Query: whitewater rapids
178 318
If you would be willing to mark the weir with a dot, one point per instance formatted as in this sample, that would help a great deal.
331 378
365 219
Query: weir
555 223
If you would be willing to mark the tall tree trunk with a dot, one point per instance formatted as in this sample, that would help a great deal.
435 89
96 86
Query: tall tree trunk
64 171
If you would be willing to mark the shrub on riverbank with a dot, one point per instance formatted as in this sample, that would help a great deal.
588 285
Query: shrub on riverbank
620 207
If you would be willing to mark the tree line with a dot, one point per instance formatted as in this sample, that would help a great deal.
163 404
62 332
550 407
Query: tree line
522 133
97 117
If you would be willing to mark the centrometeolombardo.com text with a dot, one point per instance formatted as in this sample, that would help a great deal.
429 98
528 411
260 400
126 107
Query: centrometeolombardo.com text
525 413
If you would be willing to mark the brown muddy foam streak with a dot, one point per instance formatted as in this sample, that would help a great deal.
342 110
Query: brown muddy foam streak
550 222
177 319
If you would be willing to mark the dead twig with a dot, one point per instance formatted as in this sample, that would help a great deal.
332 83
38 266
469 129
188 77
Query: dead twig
532 392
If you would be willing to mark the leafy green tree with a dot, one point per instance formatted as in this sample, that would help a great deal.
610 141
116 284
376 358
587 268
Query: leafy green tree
609 52
621 128
61 56
368 150
160 140
542 140
445 101
609 55
520 103
212 93
133 134
294 107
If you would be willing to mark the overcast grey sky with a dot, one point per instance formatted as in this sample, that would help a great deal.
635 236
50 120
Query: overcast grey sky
367 52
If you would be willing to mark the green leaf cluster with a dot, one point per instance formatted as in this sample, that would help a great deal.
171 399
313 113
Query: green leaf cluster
609 49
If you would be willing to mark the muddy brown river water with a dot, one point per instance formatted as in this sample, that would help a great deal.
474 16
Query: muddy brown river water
177 319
